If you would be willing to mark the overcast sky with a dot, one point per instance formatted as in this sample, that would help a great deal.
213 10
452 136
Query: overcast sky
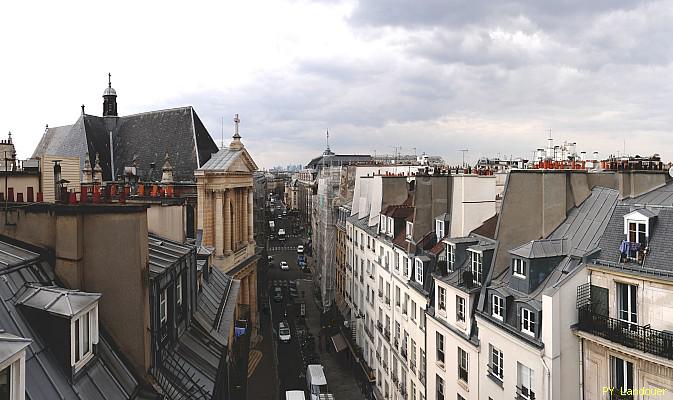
431 76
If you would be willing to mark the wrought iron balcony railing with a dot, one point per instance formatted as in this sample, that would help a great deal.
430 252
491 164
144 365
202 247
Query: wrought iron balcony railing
638 337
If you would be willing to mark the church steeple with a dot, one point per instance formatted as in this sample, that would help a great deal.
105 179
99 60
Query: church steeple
109 99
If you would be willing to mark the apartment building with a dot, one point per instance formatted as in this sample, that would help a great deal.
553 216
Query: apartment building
393 232
624 325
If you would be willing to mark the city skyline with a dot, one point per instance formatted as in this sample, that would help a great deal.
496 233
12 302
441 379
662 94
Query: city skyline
489 78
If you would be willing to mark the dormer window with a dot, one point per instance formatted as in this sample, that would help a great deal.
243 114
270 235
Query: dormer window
390 225
528 322
476 267
84 335
450 257
519 268
410 230
419 271
407 267
12 366
439 229
637 232
637 225
498 307
382 227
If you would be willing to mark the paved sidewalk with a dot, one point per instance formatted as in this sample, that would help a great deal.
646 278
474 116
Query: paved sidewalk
340 380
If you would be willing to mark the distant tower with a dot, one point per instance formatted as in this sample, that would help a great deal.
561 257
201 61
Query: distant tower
109 99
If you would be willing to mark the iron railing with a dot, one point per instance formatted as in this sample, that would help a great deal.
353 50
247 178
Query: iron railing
638 337
523 392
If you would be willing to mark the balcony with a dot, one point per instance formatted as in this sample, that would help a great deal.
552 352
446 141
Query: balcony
524 393
639 337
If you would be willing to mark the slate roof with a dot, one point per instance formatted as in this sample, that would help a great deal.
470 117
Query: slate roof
223 159
398 211
164 253
487 228
146 137
105 377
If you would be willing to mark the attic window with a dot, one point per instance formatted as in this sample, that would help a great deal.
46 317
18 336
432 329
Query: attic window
519 268
83 336
450 257
439 229
528 322
475 267
637 232
382 227
390 226
637 226
419 271
410 229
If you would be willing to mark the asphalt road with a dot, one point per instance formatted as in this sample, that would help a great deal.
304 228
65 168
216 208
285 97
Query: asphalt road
288 354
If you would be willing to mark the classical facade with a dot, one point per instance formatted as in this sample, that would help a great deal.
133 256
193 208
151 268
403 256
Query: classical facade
225 216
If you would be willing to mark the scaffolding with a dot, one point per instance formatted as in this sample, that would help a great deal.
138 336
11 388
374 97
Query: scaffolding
326 213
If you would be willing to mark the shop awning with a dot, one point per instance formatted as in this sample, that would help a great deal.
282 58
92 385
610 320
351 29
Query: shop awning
339 342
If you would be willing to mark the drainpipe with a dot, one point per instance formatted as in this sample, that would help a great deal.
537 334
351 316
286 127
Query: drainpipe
581 368
548 377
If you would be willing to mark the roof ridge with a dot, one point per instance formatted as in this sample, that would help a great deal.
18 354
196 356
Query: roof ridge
156 111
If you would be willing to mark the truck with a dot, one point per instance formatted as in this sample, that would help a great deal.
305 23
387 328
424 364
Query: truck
316 381
281 234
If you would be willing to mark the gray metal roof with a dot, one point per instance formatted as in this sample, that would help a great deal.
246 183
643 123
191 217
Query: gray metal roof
10 345
482 247
662 196
163 253
106 376
57 300
465 239
543 248
222 160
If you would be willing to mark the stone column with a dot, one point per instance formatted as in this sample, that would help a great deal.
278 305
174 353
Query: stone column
235 221
227 222
219 223
244 216
251 220
201 205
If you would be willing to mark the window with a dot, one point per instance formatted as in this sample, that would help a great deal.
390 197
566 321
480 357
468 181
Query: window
519 268
440 388
413 310
525 382
397 295
498 307
621 374
462 365
459 397
410 230
528 322
441 298
178 290
390 225
439 229
6 383
412 390
382 228
476 268
496 362
407 267
421 325
405 305
84 334
419 271
412 364
440 347
450 257
637 232
626 298
460 309
163 312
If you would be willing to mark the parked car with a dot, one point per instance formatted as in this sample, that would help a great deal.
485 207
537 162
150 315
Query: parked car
277 294
284 332
284 266
300 249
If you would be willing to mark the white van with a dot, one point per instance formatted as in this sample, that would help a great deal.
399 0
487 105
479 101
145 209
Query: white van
295 395
316 381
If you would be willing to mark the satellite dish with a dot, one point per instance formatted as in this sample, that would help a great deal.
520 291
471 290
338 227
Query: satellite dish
670 172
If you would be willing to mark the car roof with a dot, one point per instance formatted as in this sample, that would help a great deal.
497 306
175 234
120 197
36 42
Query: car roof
317 374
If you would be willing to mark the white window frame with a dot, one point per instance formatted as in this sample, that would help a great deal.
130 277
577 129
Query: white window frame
626 312
615 362
419 271
497 363
525 380
409 230
390 225
178 290
498 307
17 375
519 268
528 321
439 345
460 309
463 363
476 265
163 306
383 219
637 218
439 229
450 257
83 326
441 298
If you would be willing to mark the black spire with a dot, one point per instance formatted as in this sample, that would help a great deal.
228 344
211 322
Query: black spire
109 99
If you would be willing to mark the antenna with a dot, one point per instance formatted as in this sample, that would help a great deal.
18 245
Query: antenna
464 151
222 134
328 139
